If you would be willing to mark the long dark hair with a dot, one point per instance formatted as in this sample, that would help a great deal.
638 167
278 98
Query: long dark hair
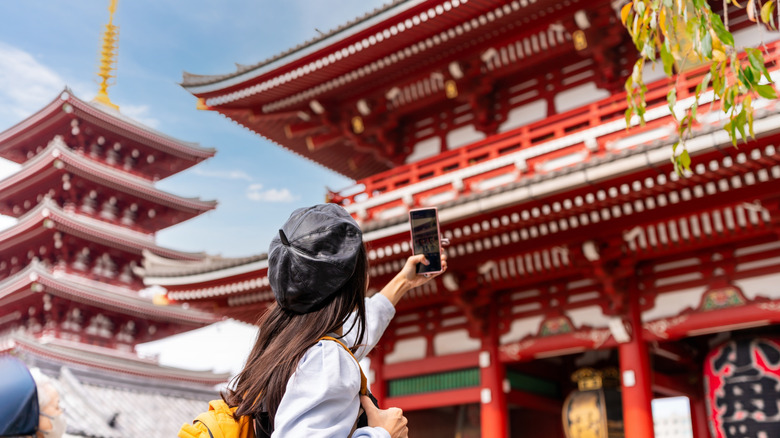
283 338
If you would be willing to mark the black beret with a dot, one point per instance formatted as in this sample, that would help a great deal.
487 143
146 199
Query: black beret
312 256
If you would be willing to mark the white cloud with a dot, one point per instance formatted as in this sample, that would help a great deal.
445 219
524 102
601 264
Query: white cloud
7 222
222 174
8 168
139 113
255 192
25 84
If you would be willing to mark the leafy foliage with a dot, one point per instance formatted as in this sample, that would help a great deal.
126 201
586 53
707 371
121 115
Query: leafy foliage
688 33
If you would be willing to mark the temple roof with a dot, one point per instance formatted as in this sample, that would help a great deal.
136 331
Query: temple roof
387 73
108 394
36 278
58 157
340 32
48 215
157 269
67 106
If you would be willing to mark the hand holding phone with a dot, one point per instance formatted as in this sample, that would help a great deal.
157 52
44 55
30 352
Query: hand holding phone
426 238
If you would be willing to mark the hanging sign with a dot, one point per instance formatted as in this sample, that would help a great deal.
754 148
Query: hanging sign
742 384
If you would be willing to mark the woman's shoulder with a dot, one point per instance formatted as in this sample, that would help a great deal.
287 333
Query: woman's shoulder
328 358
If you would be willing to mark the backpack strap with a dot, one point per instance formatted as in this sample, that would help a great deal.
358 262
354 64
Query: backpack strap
363 380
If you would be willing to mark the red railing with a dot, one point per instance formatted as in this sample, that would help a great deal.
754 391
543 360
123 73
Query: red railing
557 127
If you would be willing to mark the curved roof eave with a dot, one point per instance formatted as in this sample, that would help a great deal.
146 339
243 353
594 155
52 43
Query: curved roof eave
115 118
93 230
57 150
107 297
196 83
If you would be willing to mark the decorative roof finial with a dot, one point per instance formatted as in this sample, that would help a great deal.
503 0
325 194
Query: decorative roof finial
108 58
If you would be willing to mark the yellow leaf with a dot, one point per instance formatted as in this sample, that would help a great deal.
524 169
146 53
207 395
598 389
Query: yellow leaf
718 56
625 11
734 2
662 20
716 42
766 12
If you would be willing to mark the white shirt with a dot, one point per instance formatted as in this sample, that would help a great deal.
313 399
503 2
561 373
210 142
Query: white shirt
321 399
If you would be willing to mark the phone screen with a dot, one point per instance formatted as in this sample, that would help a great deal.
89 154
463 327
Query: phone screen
425 238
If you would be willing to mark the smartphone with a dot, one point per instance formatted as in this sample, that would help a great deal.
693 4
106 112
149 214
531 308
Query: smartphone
426 238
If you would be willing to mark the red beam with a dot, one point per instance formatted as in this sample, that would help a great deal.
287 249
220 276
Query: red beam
557 345
432 365
319 141
534 402
755 314
674 386
435 399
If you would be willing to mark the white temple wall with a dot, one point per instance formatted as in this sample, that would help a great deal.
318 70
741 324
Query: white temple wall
456 341
591 316
465 135
521 328
579 96
767 286
524 115
672 303
406 350
424 149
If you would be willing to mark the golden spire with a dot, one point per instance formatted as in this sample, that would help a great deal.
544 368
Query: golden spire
108 58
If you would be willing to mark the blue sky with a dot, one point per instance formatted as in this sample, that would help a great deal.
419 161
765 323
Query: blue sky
48 44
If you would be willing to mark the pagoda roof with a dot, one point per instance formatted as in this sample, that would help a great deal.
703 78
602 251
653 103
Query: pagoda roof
67 106
165 271
58 157
36 278
107 359
48 215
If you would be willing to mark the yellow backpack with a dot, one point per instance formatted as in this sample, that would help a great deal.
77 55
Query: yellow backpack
218 421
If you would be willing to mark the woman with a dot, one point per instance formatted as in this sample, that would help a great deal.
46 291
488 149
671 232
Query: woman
303 384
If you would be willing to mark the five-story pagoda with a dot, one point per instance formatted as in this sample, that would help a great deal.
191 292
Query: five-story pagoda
72 300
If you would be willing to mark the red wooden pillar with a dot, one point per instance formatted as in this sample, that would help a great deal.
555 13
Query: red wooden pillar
379 387
635 377
494 408
699 418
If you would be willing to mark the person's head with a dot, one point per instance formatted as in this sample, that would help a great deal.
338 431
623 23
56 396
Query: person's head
51 423
318 271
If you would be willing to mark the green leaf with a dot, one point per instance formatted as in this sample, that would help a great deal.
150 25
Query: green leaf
731 129
639 7
766 91
728 99
685 159
649 51
720 30
667 58
706 45
756 59
717 80
740 122
748 76
629 113
671 97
